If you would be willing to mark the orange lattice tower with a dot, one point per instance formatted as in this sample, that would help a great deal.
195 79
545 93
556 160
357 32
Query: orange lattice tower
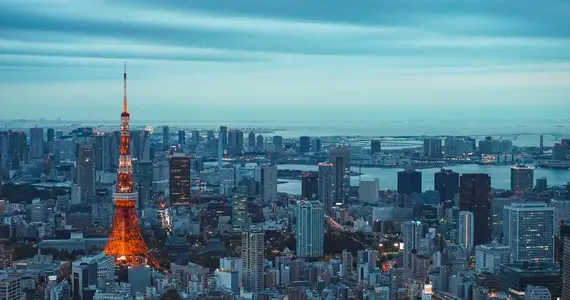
126 243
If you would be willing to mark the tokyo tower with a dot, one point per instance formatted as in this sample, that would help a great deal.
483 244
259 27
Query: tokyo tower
126 243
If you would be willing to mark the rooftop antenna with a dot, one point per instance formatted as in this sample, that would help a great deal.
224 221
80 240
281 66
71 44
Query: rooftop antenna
125 88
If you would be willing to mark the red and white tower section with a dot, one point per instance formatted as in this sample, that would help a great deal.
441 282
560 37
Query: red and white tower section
126 243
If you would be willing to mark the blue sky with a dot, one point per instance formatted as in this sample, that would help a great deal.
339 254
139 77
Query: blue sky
65 57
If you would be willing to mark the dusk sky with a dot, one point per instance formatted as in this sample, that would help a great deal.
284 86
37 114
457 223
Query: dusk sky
62 58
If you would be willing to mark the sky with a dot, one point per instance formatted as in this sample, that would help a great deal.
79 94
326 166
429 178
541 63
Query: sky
197 59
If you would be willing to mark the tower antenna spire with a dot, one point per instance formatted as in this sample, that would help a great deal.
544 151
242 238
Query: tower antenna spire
125 88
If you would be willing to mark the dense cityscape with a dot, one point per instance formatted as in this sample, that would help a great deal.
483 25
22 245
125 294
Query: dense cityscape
109 213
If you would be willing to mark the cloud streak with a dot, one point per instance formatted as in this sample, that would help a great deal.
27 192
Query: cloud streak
258 46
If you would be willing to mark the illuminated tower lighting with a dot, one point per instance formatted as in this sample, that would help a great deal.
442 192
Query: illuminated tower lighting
126 243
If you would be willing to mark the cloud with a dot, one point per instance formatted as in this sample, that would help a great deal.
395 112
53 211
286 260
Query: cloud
250 50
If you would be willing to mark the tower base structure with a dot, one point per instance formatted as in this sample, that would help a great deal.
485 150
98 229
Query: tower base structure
126 243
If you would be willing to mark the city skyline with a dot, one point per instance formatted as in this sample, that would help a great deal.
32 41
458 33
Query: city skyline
62 58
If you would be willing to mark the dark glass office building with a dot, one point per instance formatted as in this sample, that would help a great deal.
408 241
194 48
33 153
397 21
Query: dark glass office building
515 277
475 196
446 183
409 182
310 186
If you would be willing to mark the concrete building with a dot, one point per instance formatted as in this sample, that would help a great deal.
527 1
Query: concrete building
368 191
326 185
38 211
375 146
304 144
465 231
310 229
529 232
179 186
253 254
36 142
266 177
340 158
522 180
489 257
432 147
11 286
566 270
413 233
86 171
534 292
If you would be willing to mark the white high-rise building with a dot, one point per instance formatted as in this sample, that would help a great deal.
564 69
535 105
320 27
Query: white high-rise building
465 231
232 264
326 185
413 233
266 175
529 231
534 292
253 254
310 229
489 257
368 191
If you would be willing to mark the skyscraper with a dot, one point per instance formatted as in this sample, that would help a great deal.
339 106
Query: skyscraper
251 139
223 135
181 137
316 145
140 145
413 233
465 232
541 184
36 142
446 183
529 231
310 229
522 180
475 196
195 137
326 185
304 144
566 271
253 254
409 182
50 134
277 141
260 144
143 179
240 216
165 138
340 158
235 142
86 172
375 146
432 147
368 191
179 179
310 186
102 152
266 176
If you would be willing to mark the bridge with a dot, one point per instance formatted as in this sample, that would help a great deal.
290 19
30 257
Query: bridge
512 135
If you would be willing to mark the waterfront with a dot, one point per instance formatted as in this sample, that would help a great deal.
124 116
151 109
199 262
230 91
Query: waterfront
500 176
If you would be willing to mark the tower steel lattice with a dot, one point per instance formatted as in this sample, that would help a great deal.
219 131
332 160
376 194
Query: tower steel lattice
126 243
